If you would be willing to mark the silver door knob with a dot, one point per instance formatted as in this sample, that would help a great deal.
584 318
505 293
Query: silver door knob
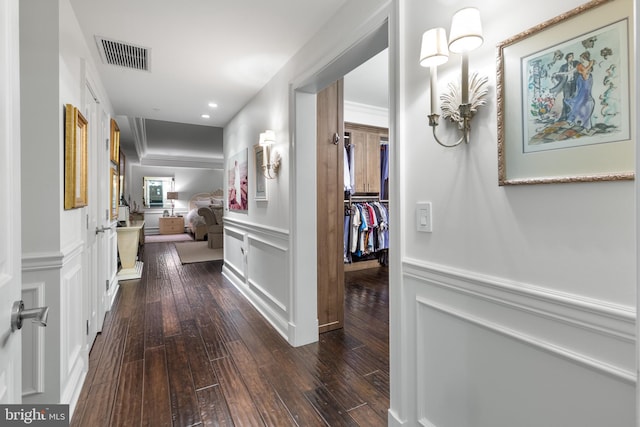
18 314
102 229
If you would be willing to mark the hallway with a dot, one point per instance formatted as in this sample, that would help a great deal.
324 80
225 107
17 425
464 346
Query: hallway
182 347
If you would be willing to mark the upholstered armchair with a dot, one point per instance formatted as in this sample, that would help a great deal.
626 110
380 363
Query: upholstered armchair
215 231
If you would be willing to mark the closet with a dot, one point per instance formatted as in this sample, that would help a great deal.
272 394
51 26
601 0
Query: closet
366 186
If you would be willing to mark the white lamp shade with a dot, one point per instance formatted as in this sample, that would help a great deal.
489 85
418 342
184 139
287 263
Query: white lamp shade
269 137
466 30
434 48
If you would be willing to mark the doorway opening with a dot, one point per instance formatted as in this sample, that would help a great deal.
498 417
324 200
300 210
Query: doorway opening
306 210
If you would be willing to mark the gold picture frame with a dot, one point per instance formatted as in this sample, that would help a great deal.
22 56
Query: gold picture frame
114 192
75 159
121 174
115 142
553 128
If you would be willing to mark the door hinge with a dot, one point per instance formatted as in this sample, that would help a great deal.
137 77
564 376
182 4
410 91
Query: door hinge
87 221
106 144
87 327
106 214
107 281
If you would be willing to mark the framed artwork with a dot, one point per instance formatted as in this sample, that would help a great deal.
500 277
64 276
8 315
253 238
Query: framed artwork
114 149
121 173
75 158
114 193
261 180
563 98
238 184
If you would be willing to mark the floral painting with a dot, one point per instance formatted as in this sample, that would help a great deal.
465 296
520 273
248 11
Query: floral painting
576 93
238 181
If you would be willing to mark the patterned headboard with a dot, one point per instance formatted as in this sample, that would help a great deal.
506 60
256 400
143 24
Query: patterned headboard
203 197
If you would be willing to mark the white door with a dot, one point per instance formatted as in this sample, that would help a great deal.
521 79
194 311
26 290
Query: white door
94 223
10 342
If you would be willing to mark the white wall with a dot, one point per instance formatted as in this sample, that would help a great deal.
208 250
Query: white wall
55 61
260 244
519 308
188 181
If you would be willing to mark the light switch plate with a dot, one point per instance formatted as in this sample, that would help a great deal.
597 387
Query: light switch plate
424 220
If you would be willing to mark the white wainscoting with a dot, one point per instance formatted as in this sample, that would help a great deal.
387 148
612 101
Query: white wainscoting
33 344
73 363
54 366
488 352
257 263
112 267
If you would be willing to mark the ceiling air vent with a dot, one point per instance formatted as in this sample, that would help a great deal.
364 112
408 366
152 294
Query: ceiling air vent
123 54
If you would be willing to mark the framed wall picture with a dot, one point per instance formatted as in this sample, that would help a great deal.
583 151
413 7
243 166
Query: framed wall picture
114 149
261 180
75 158
121 174
114 193
563 98
238 184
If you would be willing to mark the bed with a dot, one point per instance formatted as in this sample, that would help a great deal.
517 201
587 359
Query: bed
194 222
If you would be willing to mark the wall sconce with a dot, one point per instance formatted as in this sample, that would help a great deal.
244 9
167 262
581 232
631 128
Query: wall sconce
459 105
270 165
172 195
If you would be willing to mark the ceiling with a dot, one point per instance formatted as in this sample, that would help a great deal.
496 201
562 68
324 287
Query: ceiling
201 52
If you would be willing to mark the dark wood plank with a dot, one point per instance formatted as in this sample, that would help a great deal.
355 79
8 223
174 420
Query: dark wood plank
201 369
365 416
267 401
238 399
156 410
109 366
213 408
184 402
127 409
329 408
99 405
153 325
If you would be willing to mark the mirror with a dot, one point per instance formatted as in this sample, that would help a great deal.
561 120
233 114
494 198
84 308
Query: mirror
155 191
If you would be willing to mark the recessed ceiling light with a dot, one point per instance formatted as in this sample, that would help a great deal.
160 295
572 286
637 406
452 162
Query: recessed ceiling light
213 105
205 116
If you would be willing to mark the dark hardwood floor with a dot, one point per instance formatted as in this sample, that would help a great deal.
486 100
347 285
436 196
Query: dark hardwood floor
182 347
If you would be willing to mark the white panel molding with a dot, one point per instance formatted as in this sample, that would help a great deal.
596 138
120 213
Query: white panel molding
559 351
71 319
602 317
279 323
41 261
33 342
280 248
73 362
274 232
232 272
253 286
270 239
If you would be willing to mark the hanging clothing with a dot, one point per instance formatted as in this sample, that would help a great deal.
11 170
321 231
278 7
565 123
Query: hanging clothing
366 229
384 172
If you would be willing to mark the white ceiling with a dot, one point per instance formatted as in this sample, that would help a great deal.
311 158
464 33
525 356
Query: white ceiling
201 51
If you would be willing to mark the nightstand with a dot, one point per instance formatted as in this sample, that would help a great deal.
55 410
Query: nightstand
171 224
